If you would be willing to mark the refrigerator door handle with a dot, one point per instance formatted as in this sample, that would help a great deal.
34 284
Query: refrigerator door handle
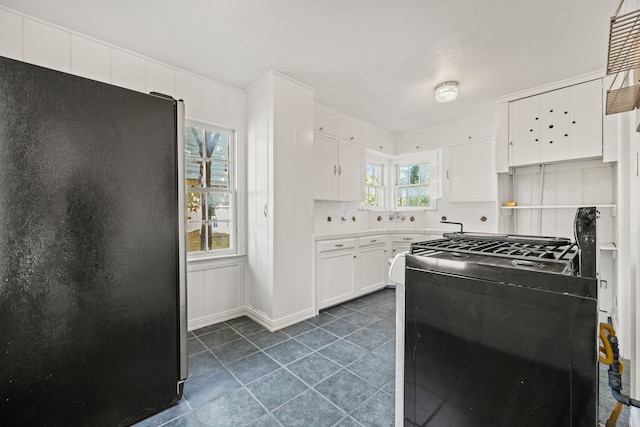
182 247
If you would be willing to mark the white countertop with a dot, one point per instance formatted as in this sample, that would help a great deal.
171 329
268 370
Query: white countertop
377 231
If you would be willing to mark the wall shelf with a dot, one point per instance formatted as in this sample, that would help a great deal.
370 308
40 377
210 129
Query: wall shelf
506 210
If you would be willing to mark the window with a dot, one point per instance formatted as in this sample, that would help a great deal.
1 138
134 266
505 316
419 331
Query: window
417 183
210 190
374 186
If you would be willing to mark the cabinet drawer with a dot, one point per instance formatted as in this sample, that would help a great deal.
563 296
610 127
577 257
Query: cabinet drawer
335 245
372 241
407 238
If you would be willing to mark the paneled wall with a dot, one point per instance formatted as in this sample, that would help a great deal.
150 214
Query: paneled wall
569 183
216 288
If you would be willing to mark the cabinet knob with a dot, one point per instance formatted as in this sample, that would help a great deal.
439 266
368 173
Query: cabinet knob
510 142
321 128
550 142
530 130
566 134
351 138
573 122
550 126
551 111
335 170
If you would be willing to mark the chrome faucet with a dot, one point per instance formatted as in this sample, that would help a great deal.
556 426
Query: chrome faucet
396 215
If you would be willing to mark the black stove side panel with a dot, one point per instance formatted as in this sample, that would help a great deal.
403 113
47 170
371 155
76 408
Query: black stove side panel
481 353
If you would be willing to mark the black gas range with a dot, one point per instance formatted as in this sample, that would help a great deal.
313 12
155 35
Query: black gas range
501 330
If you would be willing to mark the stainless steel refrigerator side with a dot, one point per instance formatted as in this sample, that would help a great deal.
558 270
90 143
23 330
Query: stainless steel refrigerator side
182 252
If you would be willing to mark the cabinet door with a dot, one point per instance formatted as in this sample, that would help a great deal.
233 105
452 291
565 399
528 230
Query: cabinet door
523 131
471 175
351 172
554 125
372 267
335 277
325 155
586 120
324 122
349 130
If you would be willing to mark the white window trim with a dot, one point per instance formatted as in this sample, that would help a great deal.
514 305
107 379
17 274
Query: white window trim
434 157
233 249
376 157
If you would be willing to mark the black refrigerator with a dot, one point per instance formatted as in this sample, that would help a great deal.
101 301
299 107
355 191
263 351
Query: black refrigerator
92 254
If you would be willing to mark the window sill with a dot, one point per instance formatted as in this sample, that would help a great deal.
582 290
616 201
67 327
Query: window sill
213 257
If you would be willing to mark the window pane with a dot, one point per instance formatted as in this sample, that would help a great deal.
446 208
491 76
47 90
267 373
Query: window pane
403 175
414 174
193 141
195 232
193 168
220 221
219 175
413 196
425 199
425 173
379 197
402 196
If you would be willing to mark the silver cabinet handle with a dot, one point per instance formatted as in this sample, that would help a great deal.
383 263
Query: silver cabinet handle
373 240
407 238
339 170
339 245
265 210
335 170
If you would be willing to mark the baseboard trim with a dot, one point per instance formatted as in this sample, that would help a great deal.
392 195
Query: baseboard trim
283 322
201 322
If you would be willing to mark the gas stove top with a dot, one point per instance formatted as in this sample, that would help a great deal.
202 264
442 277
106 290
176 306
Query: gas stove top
502 245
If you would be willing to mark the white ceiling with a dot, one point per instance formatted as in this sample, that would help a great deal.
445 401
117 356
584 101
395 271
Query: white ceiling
377 60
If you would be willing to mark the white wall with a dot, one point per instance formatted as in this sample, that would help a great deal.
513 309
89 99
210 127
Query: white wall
216 288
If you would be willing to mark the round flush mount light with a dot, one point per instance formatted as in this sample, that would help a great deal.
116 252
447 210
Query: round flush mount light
447 91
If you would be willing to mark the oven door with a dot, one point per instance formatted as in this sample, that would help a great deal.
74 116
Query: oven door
486 353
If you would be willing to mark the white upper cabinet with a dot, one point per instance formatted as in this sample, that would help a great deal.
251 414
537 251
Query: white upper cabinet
563 124
324 122
471 173
349 130
377 141
339 169
554 144
586 120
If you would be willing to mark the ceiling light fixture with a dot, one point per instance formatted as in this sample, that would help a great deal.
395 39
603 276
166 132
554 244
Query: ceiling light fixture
447 91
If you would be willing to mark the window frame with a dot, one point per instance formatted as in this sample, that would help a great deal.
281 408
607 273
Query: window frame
434 159
231 191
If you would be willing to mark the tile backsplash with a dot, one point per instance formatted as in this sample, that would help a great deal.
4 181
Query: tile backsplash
468 213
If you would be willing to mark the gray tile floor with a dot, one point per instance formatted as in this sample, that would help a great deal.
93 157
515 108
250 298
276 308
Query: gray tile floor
337 369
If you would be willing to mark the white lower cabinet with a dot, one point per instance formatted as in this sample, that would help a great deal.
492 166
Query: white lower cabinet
372 264
348 268
336 276
336 271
